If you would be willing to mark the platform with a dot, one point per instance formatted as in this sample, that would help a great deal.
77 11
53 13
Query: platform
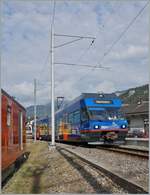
137 141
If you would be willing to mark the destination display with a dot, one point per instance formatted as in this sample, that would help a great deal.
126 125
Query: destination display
103 101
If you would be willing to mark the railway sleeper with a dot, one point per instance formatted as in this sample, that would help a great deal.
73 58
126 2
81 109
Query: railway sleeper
127 185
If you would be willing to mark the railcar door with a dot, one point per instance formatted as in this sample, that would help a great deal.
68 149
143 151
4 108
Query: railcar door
10 125
20 130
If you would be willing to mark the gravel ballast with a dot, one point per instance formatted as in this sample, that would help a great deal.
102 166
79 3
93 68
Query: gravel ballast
50 171
130 167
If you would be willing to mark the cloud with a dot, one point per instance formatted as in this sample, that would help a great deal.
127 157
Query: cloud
105 87
26 46
22 91
131 52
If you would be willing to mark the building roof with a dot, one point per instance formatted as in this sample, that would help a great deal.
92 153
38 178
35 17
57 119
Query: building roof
135 109
12 98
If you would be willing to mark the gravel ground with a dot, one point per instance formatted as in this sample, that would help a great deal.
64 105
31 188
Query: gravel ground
130 167
51 171
135 147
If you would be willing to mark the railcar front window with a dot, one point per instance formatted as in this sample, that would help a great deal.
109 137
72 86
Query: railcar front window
106 115
98 115
115 115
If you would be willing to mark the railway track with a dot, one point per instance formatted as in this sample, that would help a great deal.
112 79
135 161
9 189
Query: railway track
130 150
127 150
122 183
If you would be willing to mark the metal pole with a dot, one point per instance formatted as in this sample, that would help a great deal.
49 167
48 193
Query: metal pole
52 82
0 106
52 90
35 110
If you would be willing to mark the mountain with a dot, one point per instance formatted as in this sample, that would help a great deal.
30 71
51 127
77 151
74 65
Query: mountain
129 96
41 110
134 95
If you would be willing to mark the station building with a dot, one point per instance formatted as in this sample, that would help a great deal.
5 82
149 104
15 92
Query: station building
138 117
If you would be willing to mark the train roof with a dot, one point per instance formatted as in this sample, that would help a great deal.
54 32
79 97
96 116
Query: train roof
12 98
44 119
96 95
93 95
89 95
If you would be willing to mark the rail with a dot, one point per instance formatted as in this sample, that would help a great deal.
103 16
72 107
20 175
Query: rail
127 185
127 150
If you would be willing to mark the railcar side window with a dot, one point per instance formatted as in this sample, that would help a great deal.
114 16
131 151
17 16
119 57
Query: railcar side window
8 115
84 116
65 118
58 122
71 118
76 116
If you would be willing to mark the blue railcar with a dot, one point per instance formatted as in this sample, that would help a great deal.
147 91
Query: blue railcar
43 129
92 118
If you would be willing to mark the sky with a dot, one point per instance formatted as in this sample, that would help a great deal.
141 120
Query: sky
26 27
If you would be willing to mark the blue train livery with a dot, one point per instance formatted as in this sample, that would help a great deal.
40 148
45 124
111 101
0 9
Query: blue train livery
43 129
92 118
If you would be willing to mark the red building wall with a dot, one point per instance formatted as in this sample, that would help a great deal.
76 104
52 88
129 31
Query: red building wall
11 147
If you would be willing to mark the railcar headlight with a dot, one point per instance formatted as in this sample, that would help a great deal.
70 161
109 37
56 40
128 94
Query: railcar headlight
96 126
123 126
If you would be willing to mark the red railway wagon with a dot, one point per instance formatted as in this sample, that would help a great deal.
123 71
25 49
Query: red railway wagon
13 131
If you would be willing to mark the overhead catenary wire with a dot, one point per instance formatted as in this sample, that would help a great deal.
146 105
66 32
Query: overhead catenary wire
117 40
114 43
86 50
82 65
69 42
124 31
77 36
81 56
